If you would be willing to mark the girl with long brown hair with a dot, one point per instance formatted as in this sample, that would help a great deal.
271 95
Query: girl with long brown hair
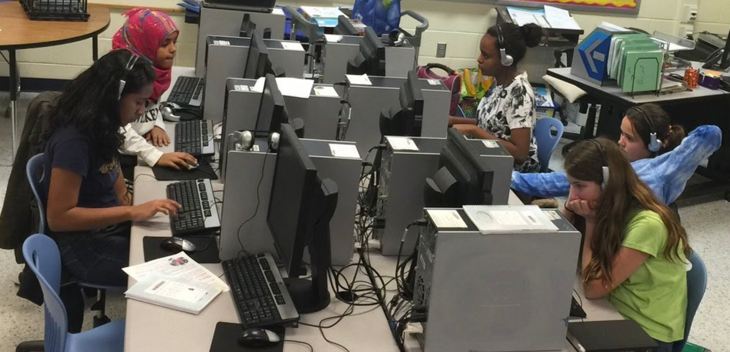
634 249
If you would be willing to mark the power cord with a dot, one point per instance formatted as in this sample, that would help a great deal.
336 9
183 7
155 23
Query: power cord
302 343
258 202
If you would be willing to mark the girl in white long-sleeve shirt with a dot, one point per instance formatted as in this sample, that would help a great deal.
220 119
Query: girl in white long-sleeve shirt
151 34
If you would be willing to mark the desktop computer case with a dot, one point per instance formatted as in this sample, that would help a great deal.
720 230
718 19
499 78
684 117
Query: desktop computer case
496 292
402 181
244 172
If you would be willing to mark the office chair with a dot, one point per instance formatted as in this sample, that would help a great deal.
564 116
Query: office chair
546 142
696 286
36 174
42 256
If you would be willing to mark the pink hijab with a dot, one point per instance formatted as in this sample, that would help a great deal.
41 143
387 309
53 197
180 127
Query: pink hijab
143 33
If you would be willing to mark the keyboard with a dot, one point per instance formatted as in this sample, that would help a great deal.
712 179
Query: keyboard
576 310
259 292
187 91
194 137
198 212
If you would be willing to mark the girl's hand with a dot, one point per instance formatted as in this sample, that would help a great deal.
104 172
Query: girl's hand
158 137
584 208
464 129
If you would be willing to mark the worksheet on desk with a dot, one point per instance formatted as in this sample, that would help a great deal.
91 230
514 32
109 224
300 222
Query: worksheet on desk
177 266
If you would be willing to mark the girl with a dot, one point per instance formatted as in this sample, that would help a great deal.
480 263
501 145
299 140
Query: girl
507 111
88 204
153 35
665 170
634 250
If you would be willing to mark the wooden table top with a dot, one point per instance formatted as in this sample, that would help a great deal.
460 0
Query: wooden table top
19 32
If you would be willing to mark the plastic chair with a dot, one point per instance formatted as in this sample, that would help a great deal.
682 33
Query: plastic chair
42 256
696 286
546 142
36 174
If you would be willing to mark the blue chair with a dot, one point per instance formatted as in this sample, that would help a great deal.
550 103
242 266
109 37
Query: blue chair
696 286
36 174
42 256
546 142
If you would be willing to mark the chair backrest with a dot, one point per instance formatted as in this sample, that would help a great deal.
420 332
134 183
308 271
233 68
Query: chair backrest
696 286
42 256
36 174
546 142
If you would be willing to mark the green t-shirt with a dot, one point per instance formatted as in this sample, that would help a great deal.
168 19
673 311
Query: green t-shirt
655 295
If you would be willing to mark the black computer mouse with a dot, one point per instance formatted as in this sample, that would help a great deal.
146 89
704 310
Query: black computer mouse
257 337
177 244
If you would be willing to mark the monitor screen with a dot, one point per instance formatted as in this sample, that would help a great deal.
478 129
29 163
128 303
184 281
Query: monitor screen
258 56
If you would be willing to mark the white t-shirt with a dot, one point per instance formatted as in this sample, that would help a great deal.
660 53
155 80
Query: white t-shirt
504 108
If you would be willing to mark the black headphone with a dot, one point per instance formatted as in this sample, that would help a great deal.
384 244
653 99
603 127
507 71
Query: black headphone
654 144
604 169
505 59
128 68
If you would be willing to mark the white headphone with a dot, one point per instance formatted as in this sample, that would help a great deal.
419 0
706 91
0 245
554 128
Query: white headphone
655 144
397 37
505 59
128 68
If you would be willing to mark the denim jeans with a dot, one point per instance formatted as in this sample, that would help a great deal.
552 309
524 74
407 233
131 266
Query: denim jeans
97 256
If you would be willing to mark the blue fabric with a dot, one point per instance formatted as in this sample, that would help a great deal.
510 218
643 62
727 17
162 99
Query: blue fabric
666 174
382 15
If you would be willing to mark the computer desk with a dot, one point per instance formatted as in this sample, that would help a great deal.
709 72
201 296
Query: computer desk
154 328
690 109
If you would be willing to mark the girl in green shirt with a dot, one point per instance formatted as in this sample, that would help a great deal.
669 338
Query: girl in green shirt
634 249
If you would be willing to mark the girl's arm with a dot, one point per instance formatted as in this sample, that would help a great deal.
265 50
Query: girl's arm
64 215
518 146
453 120
123 193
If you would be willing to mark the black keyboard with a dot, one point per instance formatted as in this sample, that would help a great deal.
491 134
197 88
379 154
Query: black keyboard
198 210
194 137
187 91
259 292
576 310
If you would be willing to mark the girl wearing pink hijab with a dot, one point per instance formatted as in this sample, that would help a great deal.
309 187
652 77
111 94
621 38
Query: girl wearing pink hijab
153 35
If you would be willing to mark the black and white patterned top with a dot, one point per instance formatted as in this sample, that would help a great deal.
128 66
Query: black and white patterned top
505 108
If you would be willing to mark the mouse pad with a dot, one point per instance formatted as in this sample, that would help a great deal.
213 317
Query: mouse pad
167 174
153 251
225 339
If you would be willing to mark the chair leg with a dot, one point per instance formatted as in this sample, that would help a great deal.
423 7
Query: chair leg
30 346
100 305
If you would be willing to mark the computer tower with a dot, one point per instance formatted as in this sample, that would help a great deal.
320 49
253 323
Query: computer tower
253 172
494 292
402 179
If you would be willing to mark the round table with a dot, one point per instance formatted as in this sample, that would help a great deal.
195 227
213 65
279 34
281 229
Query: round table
18 32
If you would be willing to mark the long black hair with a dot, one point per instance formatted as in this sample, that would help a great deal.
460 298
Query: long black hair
91 101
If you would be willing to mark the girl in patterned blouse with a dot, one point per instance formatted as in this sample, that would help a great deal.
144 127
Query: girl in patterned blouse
507 112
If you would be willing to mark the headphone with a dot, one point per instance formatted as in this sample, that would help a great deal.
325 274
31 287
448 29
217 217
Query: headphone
654 144
245 140
397 37
128 68
505 59
604 169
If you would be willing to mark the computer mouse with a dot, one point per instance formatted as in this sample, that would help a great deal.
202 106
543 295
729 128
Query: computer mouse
177 244
257 337
193 166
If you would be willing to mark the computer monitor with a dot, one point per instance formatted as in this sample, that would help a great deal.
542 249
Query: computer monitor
406 119
258 57
345 27
248 26
371 59
300 209
275 70
463 177
272 109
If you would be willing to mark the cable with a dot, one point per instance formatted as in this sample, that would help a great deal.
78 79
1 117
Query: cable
301 342
258 202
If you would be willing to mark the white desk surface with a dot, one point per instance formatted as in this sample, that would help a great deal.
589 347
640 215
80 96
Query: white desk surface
639 98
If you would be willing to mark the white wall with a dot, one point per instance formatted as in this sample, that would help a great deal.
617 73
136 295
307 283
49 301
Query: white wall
460 25
713 16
